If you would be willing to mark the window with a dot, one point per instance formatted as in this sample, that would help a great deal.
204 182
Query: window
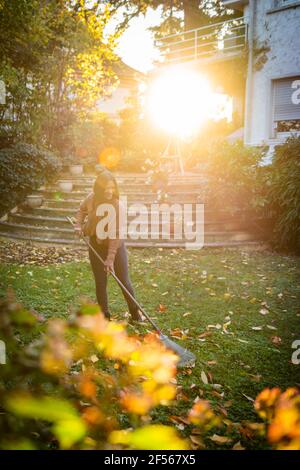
286 104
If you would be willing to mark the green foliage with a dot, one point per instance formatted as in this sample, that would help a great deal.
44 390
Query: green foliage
73 384
229 284
23 168
175 14
284 195
89 136
56 64
233 176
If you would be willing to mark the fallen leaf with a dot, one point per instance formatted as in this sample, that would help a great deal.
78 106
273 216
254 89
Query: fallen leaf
238 446
187 314
94 358
196 440
217 386
161 308
204 378
220 439
256 378
179 420
248 398
276 340
264 311
204 335
177 333
218 326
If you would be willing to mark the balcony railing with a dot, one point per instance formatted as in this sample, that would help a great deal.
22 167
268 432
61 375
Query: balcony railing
218 40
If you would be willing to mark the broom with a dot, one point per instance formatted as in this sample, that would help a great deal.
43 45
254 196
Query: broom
186 358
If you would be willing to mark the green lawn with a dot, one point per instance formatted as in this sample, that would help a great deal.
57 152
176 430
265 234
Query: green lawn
247 300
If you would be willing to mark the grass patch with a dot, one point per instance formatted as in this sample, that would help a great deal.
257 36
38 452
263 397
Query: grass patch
214 297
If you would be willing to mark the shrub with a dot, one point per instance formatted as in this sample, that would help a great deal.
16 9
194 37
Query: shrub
232 171
284 195
23 168
80 382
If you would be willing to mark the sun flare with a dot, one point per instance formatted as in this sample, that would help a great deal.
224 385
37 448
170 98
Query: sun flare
179 102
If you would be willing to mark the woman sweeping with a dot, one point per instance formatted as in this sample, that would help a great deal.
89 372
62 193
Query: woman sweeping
108 245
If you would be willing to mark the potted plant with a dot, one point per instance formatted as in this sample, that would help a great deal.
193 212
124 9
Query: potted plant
75 164
76 169
65 185
34 200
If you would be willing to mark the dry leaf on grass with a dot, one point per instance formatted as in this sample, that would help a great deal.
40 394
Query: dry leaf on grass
204 378
264 311
197 441
276 340
220 439
248 398
238 446
161 308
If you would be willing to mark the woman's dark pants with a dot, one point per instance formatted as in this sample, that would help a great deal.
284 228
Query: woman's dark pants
121 270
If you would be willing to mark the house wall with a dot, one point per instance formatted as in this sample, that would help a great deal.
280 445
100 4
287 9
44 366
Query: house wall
278 29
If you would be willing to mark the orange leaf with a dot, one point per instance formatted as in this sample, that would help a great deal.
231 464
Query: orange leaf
161 308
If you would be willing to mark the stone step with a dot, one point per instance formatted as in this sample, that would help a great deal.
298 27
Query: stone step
130 177
136 187
49 211
211 215
68 233
74 203
136 244
53 193
60 221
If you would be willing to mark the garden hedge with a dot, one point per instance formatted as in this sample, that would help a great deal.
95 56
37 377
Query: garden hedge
285 195
23 168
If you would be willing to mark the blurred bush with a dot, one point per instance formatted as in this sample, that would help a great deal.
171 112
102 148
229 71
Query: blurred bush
23 168
284 196
83 383
232 171
80 382
281 413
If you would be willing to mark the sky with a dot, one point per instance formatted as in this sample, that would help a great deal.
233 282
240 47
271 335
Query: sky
136 46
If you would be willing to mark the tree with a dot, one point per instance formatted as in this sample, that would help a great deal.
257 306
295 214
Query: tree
185 14
56 63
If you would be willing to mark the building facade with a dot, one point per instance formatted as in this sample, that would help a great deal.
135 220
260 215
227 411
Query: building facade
272 107
267 34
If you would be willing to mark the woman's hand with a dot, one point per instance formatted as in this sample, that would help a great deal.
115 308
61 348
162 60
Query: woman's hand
78 231
109 265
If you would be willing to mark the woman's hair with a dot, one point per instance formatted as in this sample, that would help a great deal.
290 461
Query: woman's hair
100 184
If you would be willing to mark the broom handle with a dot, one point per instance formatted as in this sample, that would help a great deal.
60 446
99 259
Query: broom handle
118 281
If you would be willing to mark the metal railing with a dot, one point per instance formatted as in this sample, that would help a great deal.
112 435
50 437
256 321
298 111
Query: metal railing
219 39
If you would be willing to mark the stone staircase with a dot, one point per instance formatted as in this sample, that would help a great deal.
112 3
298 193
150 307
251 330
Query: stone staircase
48 224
